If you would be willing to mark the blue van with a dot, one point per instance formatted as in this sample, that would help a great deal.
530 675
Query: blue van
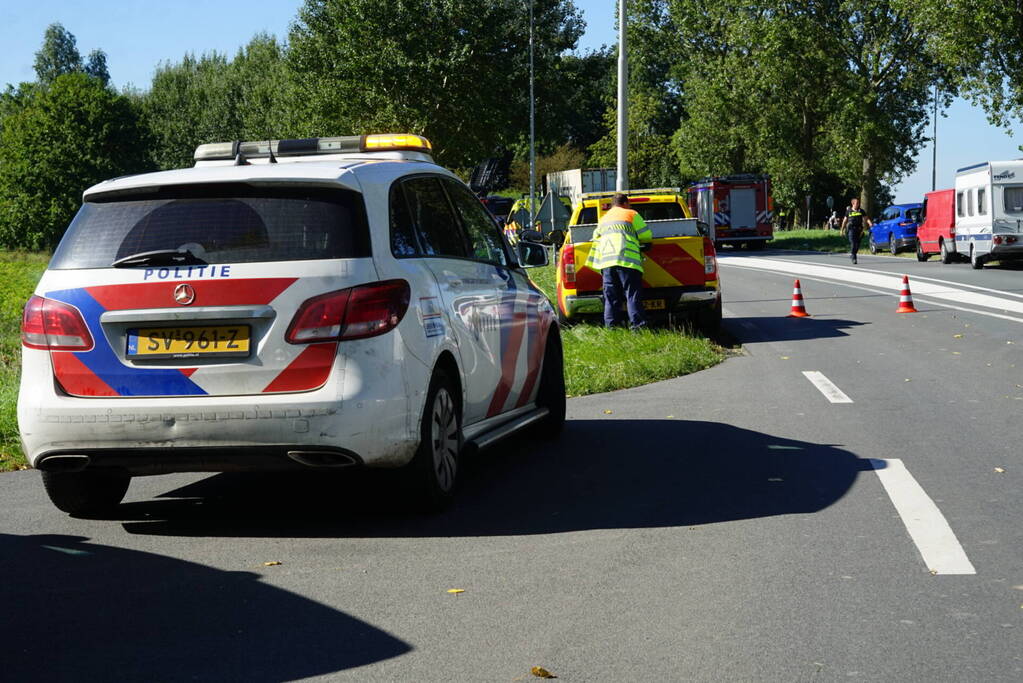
895 229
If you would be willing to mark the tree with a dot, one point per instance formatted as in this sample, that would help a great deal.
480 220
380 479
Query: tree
455 71
59 54
980 44
96 66
55 142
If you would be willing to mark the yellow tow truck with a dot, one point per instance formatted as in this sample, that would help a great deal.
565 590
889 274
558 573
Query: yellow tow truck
680 275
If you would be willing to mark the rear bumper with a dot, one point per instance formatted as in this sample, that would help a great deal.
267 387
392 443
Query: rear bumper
360 411
674 299
905 243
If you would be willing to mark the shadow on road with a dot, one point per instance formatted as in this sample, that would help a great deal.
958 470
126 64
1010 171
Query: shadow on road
77 611
602 474
780 328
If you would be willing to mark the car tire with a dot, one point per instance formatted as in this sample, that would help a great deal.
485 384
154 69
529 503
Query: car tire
893 249
920 255
976 261
946 255
433 472
872 245
551 393
87 493
708 320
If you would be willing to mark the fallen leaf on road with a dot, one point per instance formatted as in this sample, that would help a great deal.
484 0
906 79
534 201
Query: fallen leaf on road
456 591
608 412
957 336
1000 470
956 353
934 572
671 417
541 672
271 564
907 380
784 357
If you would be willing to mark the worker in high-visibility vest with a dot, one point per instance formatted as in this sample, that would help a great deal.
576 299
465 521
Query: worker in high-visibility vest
617 254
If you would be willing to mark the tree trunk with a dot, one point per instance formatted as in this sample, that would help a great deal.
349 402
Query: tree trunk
867 183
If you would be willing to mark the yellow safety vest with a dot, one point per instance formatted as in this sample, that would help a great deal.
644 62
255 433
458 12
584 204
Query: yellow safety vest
617 238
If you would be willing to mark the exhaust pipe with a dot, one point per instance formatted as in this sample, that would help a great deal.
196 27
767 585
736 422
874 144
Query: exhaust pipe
322 458
63 463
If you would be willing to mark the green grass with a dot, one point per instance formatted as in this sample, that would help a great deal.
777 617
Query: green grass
831 241
598 359
19 273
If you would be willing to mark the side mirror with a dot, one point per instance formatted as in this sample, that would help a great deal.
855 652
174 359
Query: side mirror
532 254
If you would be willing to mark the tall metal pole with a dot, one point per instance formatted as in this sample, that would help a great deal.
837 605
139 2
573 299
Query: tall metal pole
622 181
532 128
934 144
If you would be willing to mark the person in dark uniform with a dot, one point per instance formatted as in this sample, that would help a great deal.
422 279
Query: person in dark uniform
853 226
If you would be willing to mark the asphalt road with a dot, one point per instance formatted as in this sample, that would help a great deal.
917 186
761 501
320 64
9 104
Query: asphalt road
731 525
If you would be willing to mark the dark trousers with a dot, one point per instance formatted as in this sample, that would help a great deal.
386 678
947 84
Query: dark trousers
854 243
623 285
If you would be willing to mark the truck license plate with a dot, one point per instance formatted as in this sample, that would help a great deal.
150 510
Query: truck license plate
653 304
188 342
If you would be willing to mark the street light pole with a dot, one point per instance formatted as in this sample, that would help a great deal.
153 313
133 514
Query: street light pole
622 181
934 144
532 127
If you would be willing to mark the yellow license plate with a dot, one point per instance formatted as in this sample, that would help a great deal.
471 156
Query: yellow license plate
653 304
188 342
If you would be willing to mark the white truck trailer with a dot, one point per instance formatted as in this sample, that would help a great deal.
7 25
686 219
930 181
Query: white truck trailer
989 211
578 181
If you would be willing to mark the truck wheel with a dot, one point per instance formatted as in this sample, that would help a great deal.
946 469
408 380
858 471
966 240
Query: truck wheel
551 394
709 319
892 248
976 261
433 472
85 494
946 255
920 255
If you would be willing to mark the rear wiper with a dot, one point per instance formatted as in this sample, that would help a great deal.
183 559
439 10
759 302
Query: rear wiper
160 257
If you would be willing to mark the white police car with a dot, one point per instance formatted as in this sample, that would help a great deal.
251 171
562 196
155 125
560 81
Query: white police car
315 303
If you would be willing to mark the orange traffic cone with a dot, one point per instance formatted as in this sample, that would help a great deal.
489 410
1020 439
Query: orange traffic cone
906 298
798 309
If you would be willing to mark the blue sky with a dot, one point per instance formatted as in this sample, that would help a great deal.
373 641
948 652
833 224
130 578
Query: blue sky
137 35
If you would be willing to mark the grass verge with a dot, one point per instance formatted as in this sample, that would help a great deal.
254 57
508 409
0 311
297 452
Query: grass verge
19 273
830 241
598 359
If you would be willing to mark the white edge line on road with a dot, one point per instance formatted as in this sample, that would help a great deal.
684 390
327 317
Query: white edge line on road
922 278
826 387
928 528
813 278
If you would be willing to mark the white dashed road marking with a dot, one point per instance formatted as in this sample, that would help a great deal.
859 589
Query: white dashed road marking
826 387
926 525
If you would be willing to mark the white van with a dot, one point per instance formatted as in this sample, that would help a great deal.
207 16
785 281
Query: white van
989 211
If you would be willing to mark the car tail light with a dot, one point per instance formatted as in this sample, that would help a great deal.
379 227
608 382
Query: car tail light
354 313
905 223
568 264
997 239
54 326
710 260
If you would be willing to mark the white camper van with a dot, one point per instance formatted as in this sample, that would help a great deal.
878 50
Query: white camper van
989 211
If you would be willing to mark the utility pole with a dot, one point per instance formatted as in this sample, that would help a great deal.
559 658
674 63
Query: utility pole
532 127
934 144
622 181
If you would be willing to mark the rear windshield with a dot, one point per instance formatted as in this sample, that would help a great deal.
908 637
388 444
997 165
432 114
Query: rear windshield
661 211
225 223
1013 195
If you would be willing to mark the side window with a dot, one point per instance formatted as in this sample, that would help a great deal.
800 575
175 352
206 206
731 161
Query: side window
959 204
433 218
403 235
485 240
981 203
969 202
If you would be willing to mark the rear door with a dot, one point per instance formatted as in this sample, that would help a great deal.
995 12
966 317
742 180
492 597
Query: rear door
189 290
743 203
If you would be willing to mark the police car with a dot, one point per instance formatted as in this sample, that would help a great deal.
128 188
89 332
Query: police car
291 304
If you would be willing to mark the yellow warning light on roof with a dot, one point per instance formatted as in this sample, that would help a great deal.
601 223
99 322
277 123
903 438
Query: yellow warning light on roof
397 141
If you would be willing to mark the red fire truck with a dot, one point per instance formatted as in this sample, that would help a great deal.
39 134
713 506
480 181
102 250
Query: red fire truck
738 208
